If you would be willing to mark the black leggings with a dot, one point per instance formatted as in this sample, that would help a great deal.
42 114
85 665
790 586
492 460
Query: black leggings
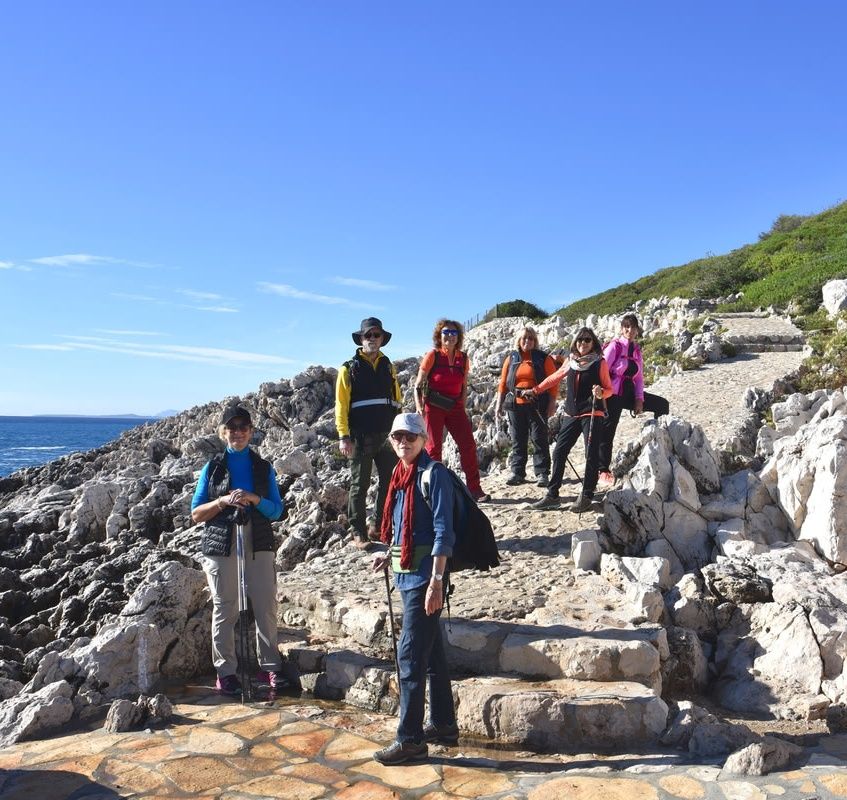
615 405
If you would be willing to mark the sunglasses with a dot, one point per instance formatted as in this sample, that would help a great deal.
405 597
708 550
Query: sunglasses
449 332
242 427
400 436
372 335
585 340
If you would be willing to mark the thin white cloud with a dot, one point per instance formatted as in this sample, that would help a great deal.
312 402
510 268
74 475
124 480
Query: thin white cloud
284 290
13 265
143 298
62 347
128 333
191 294
85 260
362 283
170 352
215 309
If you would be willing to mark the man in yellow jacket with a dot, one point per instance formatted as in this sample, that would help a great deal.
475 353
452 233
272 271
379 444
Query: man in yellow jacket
367 398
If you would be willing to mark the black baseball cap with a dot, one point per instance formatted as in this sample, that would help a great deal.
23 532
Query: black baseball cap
233 411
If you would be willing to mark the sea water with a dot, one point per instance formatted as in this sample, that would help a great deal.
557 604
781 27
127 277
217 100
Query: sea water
30 441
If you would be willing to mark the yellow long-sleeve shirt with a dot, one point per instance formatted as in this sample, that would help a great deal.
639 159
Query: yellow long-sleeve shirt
344 387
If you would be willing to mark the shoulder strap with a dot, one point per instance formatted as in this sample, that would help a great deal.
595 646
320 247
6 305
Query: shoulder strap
425 481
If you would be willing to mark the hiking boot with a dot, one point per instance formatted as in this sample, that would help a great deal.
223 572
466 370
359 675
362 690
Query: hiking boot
401 752
480 496
581 504
446 734
548 501
228 685
543 481
515 480
279 682
606 480
374 533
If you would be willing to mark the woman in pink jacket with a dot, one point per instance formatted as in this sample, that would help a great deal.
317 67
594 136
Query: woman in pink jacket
626 368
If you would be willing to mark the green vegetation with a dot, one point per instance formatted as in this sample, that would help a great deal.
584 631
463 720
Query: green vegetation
787 266
826 368
515 308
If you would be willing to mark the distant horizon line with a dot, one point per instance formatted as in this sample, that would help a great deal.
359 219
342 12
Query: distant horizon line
161 415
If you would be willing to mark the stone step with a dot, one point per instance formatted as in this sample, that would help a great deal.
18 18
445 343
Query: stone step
760 347
551 715
558 651
487 647
561 715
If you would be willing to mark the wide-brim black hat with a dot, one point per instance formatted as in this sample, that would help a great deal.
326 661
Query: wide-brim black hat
367 324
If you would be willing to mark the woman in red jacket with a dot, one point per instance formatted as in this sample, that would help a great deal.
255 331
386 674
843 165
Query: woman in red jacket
441 391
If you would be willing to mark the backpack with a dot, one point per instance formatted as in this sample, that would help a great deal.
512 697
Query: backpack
475 546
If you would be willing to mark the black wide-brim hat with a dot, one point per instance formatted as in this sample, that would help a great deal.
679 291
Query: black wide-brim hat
367 324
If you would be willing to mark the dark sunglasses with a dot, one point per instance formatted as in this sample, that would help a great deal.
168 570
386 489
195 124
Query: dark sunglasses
585 340
243 426
372 335
399 436
449 332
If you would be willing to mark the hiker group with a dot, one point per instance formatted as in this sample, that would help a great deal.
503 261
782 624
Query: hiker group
426 518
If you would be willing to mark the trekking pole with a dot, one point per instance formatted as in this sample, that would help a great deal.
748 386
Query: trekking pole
393 629
243 614
588 443
567 458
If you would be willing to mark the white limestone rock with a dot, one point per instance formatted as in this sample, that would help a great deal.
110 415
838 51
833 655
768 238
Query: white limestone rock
769 662
652 472
687 533
807 476
30 715
585 550
632 519
683 488
835 296
694 452
761 758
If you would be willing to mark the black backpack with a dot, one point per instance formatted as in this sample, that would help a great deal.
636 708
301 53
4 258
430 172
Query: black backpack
475 547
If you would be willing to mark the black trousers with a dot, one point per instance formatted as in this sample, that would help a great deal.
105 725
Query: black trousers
565 440
527 423
615 405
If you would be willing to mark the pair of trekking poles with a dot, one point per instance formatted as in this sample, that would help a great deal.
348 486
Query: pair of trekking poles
544 423
244 655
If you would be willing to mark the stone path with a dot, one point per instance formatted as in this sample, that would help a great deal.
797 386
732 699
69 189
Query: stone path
296 751
711 395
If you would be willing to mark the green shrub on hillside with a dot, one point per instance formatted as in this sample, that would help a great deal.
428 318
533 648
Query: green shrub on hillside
515 308
788 265
826 368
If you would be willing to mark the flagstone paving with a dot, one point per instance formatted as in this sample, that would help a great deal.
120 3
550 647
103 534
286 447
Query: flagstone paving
297 749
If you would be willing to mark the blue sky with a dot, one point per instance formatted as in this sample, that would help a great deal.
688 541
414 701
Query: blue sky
201 196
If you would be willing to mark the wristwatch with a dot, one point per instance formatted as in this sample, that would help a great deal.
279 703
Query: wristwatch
438 576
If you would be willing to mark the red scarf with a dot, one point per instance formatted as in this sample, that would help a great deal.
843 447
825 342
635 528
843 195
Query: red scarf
403 478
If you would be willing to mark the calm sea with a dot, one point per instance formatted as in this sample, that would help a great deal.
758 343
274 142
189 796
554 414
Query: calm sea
29 441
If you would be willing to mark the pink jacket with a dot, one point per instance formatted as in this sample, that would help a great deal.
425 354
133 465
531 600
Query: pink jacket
615 355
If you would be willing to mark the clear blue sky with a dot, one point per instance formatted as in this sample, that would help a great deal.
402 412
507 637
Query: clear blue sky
196 197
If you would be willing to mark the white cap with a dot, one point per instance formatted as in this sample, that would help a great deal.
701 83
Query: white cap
411 422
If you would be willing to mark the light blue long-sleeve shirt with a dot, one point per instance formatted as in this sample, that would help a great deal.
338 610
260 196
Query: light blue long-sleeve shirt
241 477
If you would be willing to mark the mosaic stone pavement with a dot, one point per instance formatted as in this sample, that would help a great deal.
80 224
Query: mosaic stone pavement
299 750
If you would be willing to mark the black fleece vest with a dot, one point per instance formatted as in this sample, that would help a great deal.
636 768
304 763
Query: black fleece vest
367 384
538 359
217 532
578 401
